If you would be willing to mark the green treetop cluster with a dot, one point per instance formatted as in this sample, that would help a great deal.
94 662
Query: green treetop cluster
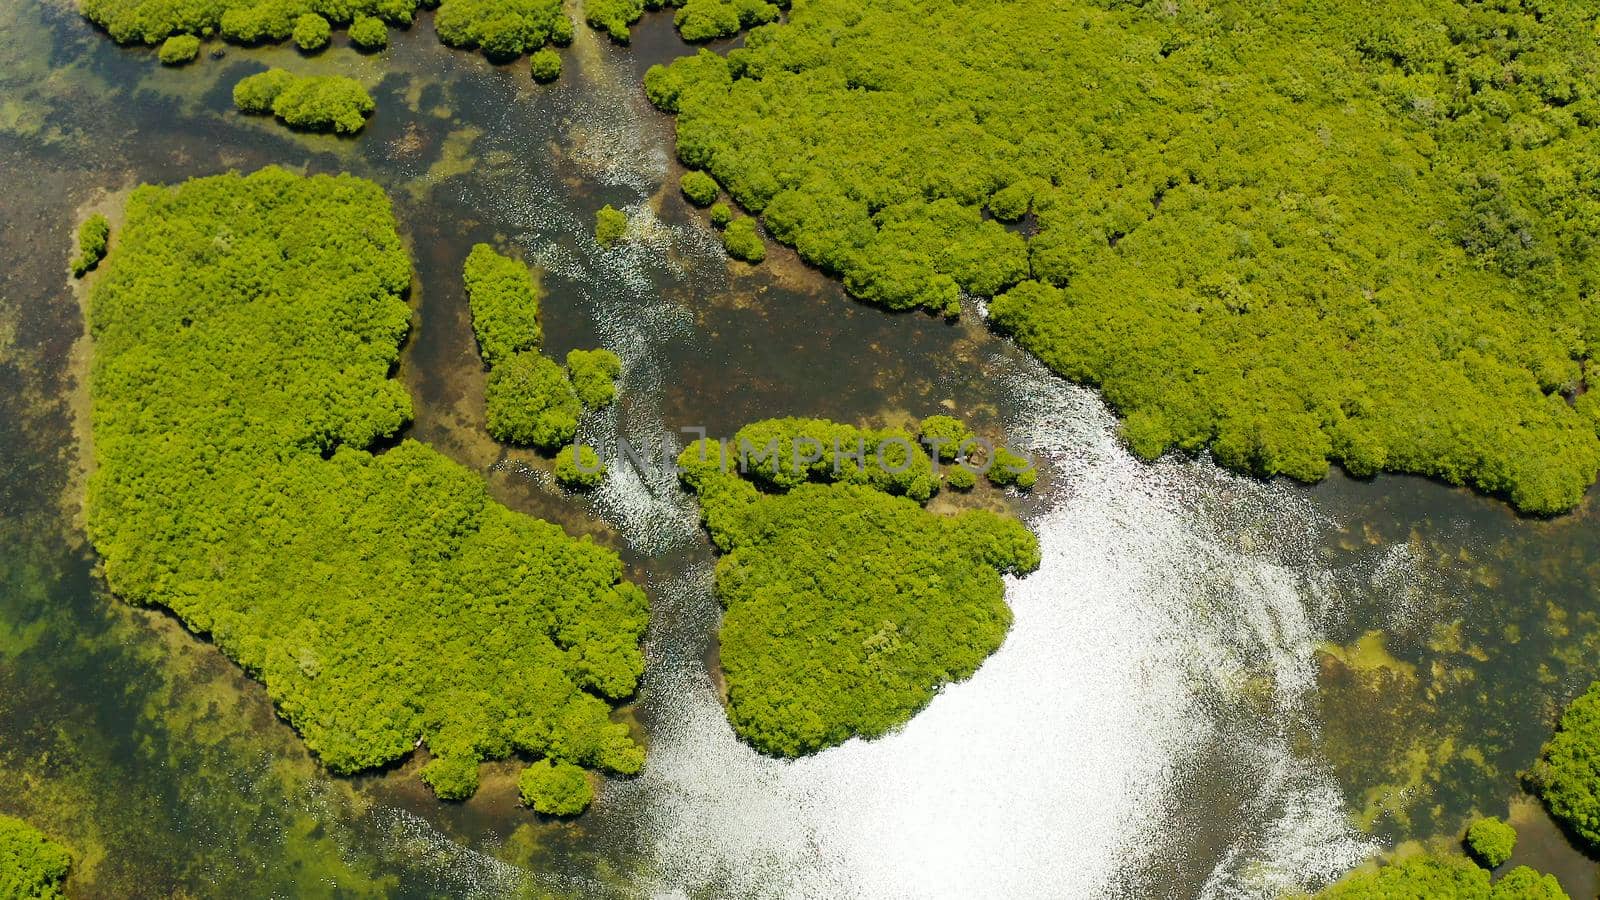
742 241
505 304
1490 841
502 29
610 225
308 102
32 867
848 605
244 334
1290 232
1443 877
1567 775
369 33
696 20
94 236
312 32
530 399
555 789
178 50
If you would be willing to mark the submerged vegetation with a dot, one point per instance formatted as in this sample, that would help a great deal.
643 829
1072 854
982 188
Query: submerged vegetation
32 867
1292 233
383 598
308 102
848 605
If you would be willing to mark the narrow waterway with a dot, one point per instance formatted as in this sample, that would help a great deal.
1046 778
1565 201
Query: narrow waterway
1214 686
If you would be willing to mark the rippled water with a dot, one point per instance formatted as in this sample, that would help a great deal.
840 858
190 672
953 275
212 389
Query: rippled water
1169 715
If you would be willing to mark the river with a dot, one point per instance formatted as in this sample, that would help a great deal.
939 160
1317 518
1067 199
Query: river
1215 686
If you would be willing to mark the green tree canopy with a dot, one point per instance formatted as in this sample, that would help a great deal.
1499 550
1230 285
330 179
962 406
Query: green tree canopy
1290 232
94 236
306 102
555 788
1490 841
531 402
1567 774
848 605
32 867
244 335
504 298
610 225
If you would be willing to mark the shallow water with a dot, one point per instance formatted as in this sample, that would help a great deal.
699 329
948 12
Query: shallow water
1181 709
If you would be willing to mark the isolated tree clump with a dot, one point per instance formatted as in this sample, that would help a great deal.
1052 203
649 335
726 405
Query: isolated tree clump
1490 841
307 102
848 605
94 236
579 468
741 240
179 50
1293 233
369 33
545 65
504 299
555 789
698 188
32 867
245 330
610 225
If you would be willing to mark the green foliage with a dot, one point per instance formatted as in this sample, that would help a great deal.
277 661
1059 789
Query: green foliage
610 224
699 188
545 65
505 304
847 606
31 865
1293 233
369 33
960 478
1567 774
180 49
502 29
721 215
307 102
1443 878
1009 469
451 778
1490 841
312 32
256 93
945 435
614 16
94 236
703 20
579 468
555 789
531 402
742 241
244 336
594 376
